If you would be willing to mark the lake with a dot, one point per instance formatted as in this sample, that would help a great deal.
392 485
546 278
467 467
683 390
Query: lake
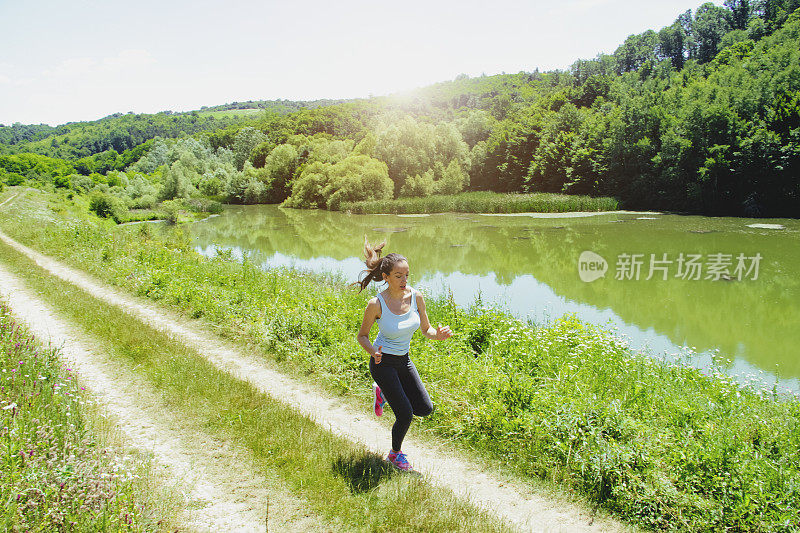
693 287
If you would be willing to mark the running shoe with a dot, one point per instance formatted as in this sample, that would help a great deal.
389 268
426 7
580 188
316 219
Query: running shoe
399 461
379 399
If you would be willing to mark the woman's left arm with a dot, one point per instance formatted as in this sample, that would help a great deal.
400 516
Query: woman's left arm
438 334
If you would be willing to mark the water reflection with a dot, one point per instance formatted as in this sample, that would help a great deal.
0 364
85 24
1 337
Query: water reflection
529 266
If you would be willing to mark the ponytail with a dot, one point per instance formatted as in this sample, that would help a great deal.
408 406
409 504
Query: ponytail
376 265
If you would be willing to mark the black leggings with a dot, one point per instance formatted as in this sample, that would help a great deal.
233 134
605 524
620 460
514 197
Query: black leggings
398 379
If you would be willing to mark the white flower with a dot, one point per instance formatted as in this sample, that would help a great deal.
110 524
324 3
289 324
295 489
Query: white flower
10 406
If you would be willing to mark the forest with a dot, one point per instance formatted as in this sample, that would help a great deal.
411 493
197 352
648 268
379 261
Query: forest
701 116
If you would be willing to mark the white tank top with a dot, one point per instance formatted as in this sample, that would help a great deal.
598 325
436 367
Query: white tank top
395 331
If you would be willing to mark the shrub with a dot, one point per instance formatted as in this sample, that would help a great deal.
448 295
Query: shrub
452 181
171 211
107 206
255 193
143 202
62 182
10 178
81 184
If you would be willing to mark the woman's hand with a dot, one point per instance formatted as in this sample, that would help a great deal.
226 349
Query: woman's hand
443 333
378 355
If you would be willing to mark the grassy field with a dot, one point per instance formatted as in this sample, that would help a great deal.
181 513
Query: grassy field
661 445
484 202
232 112
57 472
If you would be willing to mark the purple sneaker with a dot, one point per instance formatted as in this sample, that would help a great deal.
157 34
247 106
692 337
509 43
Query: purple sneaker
399 461
379 399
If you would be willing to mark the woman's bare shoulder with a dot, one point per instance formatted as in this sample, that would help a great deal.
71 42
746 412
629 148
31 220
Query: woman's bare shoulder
374 306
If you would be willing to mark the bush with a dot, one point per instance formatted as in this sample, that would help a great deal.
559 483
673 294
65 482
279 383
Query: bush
107 206
62 182
255 193
171 211
81 184
143 202
10 178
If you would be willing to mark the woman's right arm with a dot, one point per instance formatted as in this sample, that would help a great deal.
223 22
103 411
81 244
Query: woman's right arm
370 316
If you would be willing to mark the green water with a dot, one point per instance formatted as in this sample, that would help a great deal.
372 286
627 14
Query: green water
530 266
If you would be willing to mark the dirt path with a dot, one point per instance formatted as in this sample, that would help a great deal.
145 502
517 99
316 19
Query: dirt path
515 502
4 202
222 494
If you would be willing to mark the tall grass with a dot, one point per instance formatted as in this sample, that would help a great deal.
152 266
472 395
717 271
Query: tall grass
54 475
484 202
662 445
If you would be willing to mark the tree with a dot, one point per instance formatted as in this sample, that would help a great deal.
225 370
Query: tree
358 177
709 26
420 185
740 13
672 44
246 140
452 181
476 126
279 168
178 182
635 51
407 147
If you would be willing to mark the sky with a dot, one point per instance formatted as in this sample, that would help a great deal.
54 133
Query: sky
83 60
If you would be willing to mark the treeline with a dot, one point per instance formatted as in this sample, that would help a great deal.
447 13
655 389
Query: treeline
276 106
122 131
117 132
702 116
19 133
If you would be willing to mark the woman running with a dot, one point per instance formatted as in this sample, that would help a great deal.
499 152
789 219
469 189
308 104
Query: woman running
399 311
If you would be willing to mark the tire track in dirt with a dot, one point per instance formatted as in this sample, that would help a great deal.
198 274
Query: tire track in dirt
223 493
515 502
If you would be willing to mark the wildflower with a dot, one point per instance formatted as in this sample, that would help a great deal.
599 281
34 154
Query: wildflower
10 406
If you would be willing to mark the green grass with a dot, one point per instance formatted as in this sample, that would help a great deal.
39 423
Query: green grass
661 445
56 474
484 202
340 481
